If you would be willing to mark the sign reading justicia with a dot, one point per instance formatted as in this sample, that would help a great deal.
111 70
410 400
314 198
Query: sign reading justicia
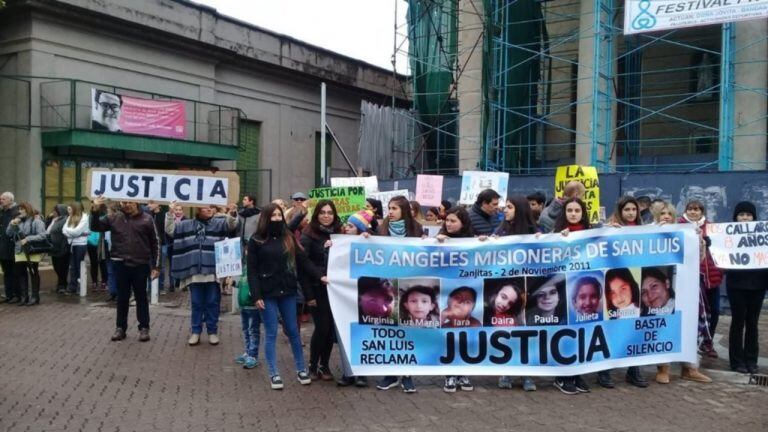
641 16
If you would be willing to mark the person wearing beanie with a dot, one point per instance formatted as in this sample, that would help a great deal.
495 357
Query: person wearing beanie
359 222
746 291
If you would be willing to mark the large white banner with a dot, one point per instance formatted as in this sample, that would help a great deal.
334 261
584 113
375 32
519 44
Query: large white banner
196 188
518 305
642 16
739 245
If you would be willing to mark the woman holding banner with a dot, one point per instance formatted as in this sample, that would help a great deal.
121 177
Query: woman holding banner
399 223
573 217
316 240
627 213
518 220
456 225
665 213
746 291
275 262
709 279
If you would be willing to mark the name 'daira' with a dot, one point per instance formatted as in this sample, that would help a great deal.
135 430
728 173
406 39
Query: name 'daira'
160 187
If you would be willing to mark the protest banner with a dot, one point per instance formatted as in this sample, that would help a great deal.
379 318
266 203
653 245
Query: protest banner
588 177
739 245
429 190
474 182
125 114
191 188
371 184
527 314
642 16
384 197
348 199
229 261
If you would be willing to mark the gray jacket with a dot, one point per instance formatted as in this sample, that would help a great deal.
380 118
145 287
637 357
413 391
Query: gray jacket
31 228
550 214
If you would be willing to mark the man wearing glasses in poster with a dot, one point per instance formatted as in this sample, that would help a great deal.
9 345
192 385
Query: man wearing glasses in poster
105 113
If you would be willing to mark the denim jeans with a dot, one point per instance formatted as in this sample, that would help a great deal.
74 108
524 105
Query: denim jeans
111 278
205 298
286 306
251 323
75 258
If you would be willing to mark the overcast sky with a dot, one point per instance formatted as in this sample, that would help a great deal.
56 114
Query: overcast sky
363 29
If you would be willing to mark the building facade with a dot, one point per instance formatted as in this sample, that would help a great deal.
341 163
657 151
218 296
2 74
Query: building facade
251 98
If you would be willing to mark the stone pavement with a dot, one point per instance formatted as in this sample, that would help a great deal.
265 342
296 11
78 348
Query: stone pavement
60 372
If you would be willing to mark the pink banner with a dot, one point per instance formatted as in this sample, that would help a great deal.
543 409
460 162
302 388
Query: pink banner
429 190
131 115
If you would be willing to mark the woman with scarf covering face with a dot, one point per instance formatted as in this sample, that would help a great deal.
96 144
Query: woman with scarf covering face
316 239
399 223
275 263
709 280
518 220
746 291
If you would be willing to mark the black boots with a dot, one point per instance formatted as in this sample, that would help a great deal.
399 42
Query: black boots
119 335
635 378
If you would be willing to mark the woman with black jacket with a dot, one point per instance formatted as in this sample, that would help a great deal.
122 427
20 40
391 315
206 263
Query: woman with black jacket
275 262
316 240
60 252
746 291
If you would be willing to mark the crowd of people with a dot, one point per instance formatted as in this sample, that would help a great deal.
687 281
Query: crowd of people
286 265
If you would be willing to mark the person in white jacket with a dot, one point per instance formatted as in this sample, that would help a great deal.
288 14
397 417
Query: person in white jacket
76 231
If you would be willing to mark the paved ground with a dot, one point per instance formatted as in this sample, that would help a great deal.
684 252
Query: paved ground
59 372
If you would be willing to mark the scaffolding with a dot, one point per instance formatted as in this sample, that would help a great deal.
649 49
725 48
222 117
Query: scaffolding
561 83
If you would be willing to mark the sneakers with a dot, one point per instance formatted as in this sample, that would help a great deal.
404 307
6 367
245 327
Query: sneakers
361 381
387 383
636 378
693 374
407 384
241 358
303 377
528 384
324 373
566 385
213 339
605 380
250 362
450 385
580 384
119 335
276 383
465 384
143 335
505 382
345 381
194 339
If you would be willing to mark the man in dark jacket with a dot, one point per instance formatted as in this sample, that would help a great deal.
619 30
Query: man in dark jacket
136 257
8 212
247 218
484 211
155 210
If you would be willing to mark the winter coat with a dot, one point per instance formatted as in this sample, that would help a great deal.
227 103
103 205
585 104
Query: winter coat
77 235
56 233
313 244
134 238
193 245
710 276
7 244
30 228
550 214
482 223
271 275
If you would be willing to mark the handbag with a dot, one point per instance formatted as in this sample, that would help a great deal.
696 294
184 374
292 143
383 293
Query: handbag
41 246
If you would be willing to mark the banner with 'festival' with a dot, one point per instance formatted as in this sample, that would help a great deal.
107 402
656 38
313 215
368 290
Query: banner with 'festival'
519 305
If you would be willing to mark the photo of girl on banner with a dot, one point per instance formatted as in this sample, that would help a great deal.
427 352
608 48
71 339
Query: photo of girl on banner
585 292
376 301
459 306
504 302
656 291
622 293
418 302
547 300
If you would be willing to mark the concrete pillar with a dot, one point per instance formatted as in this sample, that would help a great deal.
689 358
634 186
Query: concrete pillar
585 83
591 128
751 103
470 91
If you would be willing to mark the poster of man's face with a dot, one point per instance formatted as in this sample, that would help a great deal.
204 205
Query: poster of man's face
105 111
